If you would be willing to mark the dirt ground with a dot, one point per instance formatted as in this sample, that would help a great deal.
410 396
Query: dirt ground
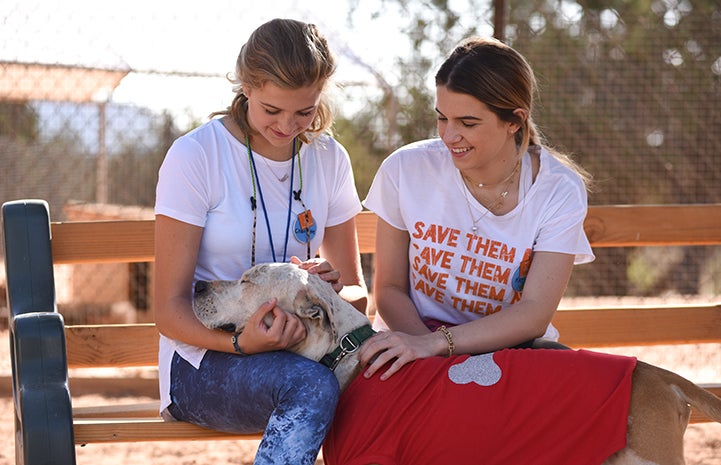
701 363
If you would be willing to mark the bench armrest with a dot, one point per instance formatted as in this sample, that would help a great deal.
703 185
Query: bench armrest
43 410
28 257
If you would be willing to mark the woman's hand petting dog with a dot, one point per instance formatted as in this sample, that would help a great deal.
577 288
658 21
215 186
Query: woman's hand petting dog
398 348
285 331
322 268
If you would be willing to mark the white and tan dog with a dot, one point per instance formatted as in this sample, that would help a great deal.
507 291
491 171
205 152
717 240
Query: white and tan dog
659 401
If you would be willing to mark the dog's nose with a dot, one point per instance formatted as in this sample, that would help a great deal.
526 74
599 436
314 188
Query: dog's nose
200 287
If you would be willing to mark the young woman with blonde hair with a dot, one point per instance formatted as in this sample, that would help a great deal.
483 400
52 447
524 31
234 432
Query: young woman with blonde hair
261 182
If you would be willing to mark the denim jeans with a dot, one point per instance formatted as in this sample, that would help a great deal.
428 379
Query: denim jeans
291 398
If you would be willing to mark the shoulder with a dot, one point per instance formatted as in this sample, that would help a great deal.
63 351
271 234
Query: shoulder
554 170
560 185
428 147
327 151
196 140
431 151
213 128
325 143
201 149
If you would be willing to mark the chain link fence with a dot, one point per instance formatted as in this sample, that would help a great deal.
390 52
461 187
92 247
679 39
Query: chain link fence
632 90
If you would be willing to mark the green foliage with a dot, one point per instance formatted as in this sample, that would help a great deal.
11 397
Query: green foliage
404 113
133 170
630 88
364 157
18 122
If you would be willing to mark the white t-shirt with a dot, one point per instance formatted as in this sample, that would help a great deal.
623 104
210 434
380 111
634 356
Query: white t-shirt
456 276
205 180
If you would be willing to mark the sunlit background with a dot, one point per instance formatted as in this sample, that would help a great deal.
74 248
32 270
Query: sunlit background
92 93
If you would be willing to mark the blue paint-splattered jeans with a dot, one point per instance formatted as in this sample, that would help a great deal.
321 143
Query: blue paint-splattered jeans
290 397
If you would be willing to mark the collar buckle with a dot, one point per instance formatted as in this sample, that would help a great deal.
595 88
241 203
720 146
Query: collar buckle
348 344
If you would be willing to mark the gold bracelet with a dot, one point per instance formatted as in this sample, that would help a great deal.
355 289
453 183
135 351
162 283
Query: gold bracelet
449 338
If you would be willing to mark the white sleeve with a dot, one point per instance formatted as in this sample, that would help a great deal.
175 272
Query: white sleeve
344 203
183 190
562 229
383 196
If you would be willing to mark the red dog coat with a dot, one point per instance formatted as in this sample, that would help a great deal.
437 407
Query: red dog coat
513 407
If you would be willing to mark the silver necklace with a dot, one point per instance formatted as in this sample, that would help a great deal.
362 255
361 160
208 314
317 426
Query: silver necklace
474 226
272 171
508 178
498 203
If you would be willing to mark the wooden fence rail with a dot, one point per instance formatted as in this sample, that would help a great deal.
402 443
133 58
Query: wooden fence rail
136 345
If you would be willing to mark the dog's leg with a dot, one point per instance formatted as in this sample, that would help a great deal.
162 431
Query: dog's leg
657 419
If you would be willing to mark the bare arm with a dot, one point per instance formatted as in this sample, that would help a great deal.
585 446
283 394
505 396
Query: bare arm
527 319
176 253
391 281
340 247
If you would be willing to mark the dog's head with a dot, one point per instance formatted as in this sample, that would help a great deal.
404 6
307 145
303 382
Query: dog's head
227 305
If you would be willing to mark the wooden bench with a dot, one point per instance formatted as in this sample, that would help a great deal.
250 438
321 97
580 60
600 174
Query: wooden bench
43 348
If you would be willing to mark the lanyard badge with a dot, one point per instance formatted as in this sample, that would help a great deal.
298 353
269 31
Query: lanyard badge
304 228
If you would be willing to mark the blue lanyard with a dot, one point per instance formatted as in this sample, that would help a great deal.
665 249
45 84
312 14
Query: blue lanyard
253 203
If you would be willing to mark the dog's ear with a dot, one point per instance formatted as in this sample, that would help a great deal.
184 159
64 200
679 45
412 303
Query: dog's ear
312 304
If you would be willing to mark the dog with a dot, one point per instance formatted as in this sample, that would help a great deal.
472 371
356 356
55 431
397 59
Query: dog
650 411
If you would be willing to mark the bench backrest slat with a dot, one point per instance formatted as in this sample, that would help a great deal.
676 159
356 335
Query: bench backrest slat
606 226
653 225
93 346
98 345
103 241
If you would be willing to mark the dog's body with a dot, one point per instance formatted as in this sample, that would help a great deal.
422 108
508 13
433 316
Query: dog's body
658 412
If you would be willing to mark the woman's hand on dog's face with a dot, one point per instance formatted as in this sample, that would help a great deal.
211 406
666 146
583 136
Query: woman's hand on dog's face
322 268
285 331
396 349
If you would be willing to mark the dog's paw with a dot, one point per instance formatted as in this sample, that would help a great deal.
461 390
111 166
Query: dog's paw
479 369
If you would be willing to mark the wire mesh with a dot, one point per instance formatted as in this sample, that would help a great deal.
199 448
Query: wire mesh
632 90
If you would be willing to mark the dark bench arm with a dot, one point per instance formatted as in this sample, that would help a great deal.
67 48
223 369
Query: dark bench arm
43 411
28 257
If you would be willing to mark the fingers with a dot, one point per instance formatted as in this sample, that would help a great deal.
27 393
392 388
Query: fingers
323 269
393 368
270 328
384 350
263 317
287 328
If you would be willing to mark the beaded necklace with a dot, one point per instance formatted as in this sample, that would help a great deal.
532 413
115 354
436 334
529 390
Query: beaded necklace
258 192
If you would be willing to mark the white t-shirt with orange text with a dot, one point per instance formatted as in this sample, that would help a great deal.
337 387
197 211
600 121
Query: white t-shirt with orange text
455 275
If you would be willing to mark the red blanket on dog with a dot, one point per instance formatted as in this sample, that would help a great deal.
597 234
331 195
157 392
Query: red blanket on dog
513 407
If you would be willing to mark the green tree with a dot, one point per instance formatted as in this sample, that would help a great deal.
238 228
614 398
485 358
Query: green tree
403 112
134 169
630 88
18 122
